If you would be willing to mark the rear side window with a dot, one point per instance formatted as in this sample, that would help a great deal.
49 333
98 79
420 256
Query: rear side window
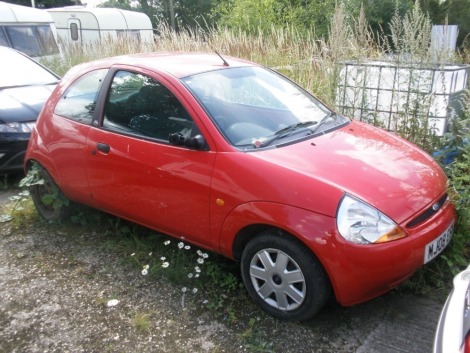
79 100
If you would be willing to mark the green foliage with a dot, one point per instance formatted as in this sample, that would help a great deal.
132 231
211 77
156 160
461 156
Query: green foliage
261 16
254 340
411 35
457 255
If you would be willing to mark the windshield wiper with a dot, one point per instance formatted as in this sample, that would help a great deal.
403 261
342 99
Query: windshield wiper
324 120
285 131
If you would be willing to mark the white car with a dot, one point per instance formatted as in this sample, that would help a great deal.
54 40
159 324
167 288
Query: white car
453 329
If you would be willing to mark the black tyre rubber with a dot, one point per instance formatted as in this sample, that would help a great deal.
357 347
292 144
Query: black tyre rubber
283 277
48 212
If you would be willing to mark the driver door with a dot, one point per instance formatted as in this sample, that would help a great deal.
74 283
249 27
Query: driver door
135 173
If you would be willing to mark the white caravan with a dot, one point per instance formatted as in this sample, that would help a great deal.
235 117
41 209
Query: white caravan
28 30
81 25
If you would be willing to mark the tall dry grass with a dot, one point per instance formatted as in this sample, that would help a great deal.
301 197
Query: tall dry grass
312 62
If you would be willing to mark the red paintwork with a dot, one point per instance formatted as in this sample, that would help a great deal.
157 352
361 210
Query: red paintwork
296 188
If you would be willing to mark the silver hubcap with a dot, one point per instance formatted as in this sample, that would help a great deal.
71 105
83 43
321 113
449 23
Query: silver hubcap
278 279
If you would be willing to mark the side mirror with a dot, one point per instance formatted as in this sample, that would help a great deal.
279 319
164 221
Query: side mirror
194 142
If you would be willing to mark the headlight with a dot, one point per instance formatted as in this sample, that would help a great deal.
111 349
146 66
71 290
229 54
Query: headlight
16 127
360 223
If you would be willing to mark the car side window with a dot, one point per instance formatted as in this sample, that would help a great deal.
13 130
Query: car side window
79 100
139 105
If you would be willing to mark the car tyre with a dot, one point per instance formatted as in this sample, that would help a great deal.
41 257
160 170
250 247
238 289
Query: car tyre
48 211
283 277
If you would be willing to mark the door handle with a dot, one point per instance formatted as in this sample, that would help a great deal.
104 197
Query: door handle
103 147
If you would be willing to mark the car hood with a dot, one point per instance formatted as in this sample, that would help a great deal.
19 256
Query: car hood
378 167
23 103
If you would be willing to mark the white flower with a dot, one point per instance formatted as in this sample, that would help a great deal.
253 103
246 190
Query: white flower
146 267
181 245
196 275
190 275
163 258
184 289
205 255
187 247
200 260
145 272
194 290
133 254
166 242
200 253
150 253
197 269
165 264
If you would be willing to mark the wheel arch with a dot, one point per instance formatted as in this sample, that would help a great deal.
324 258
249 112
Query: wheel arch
48 167
315 232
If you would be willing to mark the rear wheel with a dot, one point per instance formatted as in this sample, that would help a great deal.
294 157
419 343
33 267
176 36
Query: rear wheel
50 202
283 277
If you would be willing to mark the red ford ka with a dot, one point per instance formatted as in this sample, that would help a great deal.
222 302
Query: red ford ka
237 159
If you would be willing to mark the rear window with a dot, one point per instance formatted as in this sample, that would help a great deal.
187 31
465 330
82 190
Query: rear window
19 70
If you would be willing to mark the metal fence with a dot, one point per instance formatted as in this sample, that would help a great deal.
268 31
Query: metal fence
387 94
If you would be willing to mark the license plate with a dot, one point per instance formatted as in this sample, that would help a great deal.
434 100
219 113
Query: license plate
435 247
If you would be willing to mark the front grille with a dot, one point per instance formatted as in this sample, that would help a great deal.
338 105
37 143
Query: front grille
428 213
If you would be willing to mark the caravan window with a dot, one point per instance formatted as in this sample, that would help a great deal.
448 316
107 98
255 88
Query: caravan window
23 39
74 31
32 40
133 34
47 39
3 38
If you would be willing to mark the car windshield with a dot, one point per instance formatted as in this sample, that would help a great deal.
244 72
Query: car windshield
18 70
255 107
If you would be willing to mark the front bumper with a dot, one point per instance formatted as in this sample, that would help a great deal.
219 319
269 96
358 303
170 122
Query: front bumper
362 272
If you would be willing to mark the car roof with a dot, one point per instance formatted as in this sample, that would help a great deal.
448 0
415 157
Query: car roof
178 64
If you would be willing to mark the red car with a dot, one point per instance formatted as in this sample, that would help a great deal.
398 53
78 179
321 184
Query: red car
237 159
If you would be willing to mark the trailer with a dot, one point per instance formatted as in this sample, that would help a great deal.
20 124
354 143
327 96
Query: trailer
31 31
81 25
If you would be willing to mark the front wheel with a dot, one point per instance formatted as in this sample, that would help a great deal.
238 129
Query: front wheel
283 277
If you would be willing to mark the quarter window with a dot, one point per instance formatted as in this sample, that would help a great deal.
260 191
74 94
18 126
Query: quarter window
139 105
79 101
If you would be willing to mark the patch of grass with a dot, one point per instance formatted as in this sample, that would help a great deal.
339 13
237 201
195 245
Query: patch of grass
254 339
142 321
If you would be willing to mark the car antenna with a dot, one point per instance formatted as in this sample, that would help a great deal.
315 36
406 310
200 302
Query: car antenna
220 56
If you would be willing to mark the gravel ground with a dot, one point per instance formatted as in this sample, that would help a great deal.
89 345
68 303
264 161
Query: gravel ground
55 285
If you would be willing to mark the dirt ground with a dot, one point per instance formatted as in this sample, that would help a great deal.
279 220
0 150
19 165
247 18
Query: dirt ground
56 283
